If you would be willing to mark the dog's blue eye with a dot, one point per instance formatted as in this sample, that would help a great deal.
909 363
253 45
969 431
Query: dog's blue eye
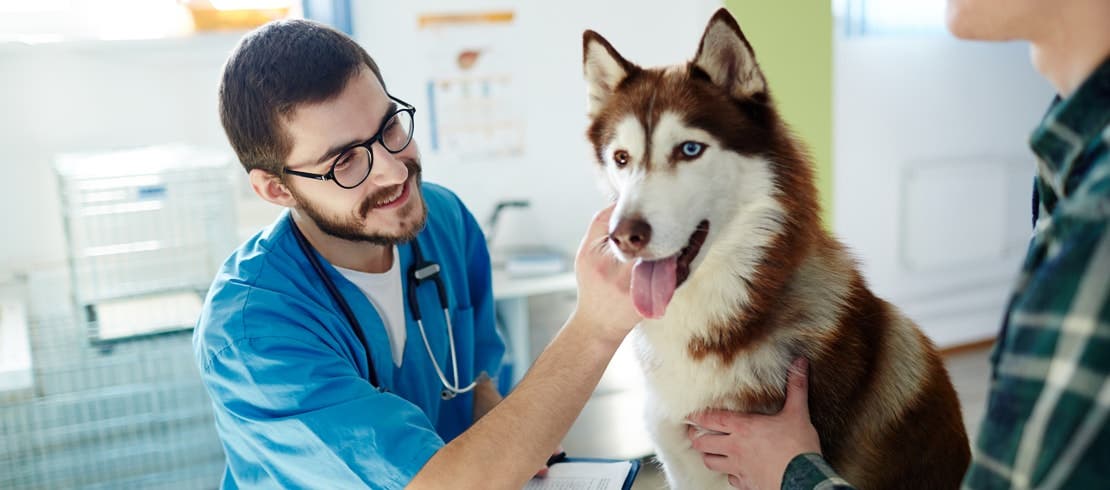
691 149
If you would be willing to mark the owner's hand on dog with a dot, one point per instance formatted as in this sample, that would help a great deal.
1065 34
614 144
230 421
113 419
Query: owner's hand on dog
604 299
753 449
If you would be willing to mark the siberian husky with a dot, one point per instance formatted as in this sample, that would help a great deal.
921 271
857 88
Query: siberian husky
736 277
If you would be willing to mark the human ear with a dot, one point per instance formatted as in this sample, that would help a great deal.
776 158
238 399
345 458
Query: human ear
270 188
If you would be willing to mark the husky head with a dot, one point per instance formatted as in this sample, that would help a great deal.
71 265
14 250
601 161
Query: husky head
704 173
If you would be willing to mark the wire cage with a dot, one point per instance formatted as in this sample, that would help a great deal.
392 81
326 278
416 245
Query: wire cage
146 230
135 417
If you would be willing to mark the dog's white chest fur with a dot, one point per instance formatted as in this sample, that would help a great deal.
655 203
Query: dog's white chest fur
681 385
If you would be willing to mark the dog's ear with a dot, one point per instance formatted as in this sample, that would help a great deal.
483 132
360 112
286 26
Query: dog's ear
725 55
604 69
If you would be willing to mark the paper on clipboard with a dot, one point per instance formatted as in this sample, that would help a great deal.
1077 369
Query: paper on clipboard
583 475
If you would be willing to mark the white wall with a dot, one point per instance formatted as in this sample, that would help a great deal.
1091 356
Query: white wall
933 173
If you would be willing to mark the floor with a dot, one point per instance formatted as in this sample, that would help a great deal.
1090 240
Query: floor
970 373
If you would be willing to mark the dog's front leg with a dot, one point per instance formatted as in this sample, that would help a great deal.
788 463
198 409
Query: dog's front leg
682 465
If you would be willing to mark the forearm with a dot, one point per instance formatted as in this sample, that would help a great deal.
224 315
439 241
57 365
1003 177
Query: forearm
525 427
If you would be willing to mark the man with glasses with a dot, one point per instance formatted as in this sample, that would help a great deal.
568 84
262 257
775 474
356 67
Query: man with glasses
322 370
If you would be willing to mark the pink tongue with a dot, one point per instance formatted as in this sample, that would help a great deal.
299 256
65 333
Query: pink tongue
653 284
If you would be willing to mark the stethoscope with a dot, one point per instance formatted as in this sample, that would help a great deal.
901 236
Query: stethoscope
419 272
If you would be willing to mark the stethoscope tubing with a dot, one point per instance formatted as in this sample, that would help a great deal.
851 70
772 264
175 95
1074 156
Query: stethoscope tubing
333 291
421 270
449 390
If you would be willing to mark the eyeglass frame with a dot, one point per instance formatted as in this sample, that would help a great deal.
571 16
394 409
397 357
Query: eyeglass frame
406 107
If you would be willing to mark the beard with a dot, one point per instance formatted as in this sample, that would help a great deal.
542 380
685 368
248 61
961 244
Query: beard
352 227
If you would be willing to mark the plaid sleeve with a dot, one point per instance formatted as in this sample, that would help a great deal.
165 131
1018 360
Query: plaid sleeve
810 472
1046 419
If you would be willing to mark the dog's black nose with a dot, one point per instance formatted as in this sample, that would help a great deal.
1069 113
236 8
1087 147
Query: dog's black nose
631 235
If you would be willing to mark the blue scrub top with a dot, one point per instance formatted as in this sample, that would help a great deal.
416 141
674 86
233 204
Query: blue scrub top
288 376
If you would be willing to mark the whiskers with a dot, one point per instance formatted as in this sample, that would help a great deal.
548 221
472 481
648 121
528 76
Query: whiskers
602 245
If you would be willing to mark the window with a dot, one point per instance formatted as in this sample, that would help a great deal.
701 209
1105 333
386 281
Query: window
889 17
37 21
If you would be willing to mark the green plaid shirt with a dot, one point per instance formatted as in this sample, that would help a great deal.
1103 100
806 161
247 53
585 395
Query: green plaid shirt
1046 424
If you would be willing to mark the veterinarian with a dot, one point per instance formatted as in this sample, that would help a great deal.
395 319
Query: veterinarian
350 344
1046 424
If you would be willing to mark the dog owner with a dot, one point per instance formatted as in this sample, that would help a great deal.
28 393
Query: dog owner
309 342
1046 420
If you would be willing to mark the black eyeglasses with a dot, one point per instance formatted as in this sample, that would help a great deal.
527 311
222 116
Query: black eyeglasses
353 164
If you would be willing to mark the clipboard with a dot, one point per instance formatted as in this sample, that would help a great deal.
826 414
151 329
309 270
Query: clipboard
632 472
633 466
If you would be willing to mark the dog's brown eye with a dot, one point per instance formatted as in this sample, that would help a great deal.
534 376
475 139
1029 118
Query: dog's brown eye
620 157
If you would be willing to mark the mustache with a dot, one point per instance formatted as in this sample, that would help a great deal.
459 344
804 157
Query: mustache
413 168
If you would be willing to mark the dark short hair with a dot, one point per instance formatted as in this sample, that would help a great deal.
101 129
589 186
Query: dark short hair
274 69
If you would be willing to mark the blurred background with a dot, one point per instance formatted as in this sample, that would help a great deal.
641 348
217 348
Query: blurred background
121 195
